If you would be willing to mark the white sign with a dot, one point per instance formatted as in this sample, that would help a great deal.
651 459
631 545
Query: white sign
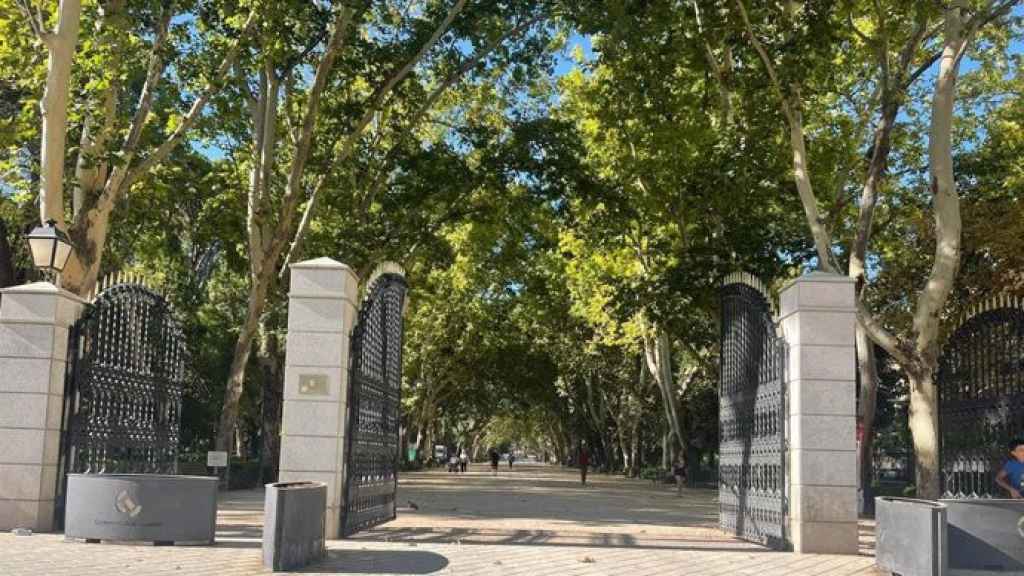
217 459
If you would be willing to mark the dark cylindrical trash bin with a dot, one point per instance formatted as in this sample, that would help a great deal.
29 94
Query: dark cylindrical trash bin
986 535
911 537
293 524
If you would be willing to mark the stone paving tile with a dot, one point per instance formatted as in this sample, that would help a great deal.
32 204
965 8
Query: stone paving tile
51 555
530 522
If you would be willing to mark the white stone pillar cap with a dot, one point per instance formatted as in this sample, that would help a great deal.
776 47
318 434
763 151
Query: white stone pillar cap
43 288
324 278
323 263
819 276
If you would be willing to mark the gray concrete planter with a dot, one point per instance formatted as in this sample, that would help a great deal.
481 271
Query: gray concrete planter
986 535
911 537
141 507
293 524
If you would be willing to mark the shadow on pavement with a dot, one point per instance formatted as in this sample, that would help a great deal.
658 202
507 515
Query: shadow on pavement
379 562
472 536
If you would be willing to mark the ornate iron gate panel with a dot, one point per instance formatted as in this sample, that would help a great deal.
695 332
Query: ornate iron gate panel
752 428
375 380
981 399
127 372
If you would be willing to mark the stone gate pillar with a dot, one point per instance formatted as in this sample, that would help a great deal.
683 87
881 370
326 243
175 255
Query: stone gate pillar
34 323
818 319
322 307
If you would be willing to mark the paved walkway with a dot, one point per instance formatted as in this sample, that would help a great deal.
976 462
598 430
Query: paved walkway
531 521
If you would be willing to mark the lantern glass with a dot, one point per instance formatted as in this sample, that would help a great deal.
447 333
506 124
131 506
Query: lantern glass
50 247
61 255
42 251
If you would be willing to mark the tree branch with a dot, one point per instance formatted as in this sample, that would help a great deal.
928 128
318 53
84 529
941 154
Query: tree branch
993 11
932 59
891 100
345 147
863 37
246 91
801 173
153 73
35 20
981 19
879 335
212 88
431 100
786 107
305 140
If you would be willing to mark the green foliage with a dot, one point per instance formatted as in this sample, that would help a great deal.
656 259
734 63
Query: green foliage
543 218
655 474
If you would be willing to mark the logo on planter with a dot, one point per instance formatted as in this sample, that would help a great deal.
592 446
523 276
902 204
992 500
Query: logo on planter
125 504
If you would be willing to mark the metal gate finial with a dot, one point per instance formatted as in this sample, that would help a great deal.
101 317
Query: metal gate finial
755 283
386 267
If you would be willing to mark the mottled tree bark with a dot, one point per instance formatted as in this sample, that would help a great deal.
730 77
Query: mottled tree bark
271 361
7 277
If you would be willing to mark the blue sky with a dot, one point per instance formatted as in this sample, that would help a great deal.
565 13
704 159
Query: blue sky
566 61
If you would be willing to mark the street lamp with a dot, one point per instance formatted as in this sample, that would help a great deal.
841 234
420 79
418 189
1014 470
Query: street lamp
50 247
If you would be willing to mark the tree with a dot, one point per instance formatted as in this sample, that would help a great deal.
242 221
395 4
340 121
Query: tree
917 352
647 246
123 57
412 41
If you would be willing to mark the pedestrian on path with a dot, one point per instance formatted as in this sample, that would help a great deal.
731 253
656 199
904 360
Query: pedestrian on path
495 458
463 460
679 472
511 459
583 459
1011 477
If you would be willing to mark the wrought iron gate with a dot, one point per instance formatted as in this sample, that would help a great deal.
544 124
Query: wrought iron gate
127 372
981 399
752 409
375 380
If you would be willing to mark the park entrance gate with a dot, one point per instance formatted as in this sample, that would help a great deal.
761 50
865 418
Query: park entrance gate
752 416
375 380
981 398
127 372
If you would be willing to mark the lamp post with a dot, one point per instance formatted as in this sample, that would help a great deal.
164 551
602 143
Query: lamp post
50 247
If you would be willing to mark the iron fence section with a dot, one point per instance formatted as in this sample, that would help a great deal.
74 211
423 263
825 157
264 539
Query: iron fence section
981 400
752 428
375 378
127 372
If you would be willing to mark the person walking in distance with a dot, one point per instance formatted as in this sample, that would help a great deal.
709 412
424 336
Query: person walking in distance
679 472
511 459
495 458
463 459
583 459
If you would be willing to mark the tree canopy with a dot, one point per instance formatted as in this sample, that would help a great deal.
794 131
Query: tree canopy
566 182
